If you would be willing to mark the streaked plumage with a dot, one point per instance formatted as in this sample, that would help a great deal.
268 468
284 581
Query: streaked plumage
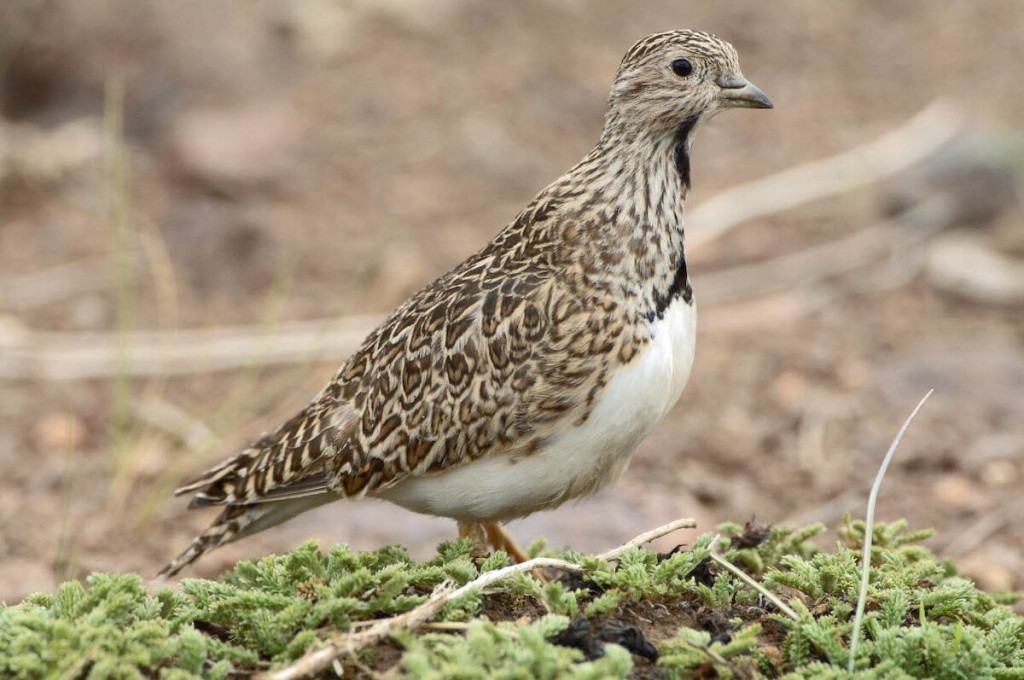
528 374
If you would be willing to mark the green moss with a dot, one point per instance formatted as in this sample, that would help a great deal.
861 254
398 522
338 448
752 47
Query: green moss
694 650
922 619
508 651
111 629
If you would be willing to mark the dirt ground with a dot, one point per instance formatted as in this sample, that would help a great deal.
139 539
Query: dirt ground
290 161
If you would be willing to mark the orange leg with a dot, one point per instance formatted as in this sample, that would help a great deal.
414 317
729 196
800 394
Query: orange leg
501 540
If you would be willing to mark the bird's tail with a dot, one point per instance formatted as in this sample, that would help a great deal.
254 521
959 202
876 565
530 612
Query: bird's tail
239 521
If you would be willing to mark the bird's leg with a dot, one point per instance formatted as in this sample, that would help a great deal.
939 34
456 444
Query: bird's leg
476 532
494 534
501 540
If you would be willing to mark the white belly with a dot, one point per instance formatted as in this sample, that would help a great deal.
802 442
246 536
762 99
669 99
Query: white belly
578 460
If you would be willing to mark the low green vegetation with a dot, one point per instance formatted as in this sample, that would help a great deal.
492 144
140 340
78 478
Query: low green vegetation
675 615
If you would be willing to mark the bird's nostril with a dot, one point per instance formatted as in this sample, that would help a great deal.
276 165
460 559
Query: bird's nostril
730 83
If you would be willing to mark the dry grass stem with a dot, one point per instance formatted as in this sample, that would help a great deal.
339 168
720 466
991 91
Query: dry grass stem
827 260
81 356
741 575
869 527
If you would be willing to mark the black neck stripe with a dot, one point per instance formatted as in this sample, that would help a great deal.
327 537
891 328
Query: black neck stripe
682 152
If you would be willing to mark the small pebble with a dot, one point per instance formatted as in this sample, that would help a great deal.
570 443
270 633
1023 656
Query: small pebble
999 473
957 491
59 431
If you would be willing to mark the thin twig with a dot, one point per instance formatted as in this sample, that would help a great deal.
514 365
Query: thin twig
81 356
349 643
493 577
827 260
869 528
741 575
446 625
647 537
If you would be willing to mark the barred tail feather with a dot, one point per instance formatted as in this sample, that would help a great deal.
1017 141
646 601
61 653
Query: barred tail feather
239 521
215 474
223 530
218 485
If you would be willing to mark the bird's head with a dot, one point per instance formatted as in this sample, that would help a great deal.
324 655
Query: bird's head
668 79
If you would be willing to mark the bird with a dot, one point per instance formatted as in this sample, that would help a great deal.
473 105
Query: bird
526 376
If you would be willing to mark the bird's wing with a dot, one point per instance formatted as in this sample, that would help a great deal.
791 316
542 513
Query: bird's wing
475 364
486 359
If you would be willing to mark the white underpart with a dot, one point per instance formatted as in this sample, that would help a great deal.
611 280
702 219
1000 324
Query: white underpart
579 460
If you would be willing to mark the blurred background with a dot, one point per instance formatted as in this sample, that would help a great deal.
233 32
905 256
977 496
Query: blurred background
204 205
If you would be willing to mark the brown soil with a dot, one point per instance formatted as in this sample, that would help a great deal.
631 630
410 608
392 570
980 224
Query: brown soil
292 161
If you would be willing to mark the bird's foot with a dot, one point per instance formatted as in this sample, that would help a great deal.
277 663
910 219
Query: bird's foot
478 535
493 535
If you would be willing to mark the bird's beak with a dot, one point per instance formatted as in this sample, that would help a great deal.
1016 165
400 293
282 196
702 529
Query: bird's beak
739 93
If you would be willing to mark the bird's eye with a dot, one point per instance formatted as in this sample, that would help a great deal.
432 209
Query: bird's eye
682 67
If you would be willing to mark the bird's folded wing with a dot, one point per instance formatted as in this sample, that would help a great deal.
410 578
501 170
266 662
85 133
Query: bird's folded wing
476 363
